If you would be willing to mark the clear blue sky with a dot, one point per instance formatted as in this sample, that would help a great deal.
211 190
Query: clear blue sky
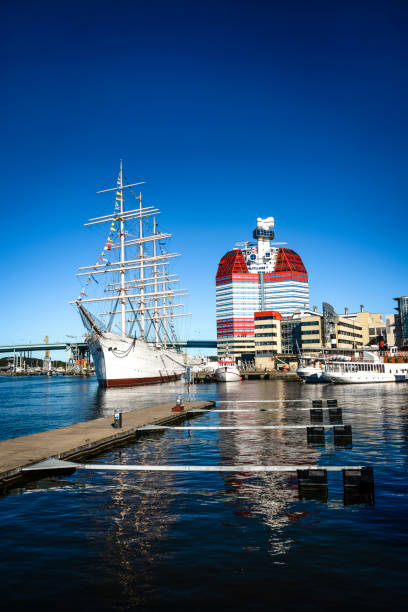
230 110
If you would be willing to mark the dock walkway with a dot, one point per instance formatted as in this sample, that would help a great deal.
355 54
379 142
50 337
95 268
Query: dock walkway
82 439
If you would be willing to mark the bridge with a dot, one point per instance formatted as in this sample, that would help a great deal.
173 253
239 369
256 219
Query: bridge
82 346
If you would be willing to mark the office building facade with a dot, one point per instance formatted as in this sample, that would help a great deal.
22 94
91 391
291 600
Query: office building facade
252 277
401 322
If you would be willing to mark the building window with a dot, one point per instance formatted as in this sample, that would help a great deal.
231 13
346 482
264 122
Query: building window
268 325
264 335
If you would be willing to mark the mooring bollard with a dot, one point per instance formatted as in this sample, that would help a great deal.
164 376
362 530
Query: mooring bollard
316 415
317 403
358 486
117 419
342 434
315 435
312 484
335 415
179 407
331 402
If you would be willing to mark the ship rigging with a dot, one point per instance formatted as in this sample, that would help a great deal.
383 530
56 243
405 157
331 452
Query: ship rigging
138 301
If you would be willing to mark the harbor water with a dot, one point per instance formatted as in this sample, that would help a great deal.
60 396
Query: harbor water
196 540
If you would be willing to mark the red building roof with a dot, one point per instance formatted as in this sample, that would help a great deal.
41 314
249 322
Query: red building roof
289 261
233 262
288 266
272 314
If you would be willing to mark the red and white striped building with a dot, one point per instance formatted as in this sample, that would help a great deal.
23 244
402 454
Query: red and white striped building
255 277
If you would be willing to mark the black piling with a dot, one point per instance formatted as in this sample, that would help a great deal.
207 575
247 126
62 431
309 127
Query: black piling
335 415
342 435
312 484
358 486
316 415
315 435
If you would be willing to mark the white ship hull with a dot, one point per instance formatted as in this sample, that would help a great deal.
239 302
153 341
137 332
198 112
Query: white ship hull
311 374
366 372
225 374
121 362
364 377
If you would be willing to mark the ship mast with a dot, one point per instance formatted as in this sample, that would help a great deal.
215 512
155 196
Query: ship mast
122 259
156 313
151 291
142 330
164 309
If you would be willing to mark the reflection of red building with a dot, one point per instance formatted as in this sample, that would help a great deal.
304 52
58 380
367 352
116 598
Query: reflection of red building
266 495
257 277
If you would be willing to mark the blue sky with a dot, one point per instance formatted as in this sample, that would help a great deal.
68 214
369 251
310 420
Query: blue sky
229 111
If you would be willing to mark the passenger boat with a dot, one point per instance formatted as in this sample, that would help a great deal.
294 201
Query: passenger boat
227 370
132 296
390 366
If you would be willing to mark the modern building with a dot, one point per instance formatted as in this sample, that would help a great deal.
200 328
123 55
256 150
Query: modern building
330 332
390 329
253 277
401 322
267 335
305 332
374 328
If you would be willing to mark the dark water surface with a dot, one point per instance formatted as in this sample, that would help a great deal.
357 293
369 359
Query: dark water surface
192 541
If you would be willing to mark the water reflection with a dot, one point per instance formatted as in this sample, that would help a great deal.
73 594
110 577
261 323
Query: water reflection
140 519
269 495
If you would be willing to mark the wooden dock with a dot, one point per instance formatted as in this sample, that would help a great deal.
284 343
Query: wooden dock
82 439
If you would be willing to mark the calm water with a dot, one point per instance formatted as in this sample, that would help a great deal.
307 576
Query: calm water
123 541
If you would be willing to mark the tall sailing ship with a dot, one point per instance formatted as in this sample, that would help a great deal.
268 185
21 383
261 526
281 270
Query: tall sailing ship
129 323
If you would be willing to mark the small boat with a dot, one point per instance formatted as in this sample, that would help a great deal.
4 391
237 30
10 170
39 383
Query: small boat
311 370
227 370
390 366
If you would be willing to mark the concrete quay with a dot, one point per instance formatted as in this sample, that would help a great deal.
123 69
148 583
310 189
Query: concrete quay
82 439
269 375
208 377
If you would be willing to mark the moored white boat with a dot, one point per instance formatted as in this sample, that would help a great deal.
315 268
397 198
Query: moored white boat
311 370
390 367
227 370
311 374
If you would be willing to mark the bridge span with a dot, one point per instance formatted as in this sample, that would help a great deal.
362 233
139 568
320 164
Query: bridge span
82 346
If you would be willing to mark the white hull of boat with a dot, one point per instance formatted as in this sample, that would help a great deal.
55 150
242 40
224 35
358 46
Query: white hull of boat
227 375
311 374
367 372
364 377
127 361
